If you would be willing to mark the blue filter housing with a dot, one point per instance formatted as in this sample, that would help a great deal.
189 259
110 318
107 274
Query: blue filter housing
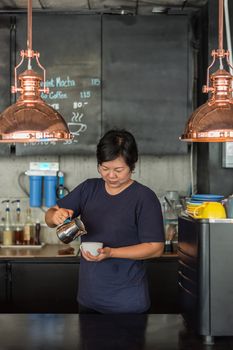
35 191
50 186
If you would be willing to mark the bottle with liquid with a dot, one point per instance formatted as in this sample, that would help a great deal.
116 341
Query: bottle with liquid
28 230
7 230
18 229
37 232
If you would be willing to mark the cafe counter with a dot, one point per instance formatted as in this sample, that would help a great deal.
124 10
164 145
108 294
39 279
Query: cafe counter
44 280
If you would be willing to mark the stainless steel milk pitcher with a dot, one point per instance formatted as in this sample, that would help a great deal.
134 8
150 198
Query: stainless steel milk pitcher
70 230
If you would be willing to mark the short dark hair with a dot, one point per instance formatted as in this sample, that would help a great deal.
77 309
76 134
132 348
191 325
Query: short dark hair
116 143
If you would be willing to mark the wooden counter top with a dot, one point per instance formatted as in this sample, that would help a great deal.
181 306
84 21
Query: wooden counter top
47 251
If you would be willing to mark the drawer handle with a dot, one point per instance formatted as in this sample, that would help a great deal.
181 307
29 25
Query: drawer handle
186 290
187 266
186 278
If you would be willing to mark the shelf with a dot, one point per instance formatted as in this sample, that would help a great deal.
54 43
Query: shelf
19 246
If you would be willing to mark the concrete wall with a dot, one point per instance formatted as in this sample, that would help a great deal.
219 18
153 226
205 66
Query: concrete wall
158 173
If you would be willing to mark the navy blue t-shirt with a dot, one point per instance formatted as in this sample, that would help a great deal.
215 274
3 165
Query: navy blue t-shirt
131 217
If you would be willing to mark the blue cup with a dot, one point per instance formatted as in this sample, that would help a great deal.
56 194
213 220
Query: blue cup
35 191
50 186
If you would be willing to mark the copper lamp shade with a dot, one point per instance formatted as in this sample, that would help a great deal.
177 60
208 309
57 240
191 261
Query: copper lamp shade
213 121
30 119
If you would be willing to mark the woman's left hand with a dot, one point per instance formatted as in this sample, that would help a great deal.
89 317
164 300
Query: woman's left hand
139 251
104 253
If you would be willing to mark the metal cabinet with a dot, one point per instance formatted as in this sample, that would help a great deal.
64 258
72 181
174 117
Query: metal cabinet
205 276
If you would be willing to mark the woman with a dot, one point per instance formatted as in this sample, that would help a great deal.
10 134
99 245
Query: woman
123 214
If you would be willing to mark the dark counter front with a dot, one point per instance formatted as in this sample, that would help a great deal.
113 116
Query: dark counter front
41 280
38 280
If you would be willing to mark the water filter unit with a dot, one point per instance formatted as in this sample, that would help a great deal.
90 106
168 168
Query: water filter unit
43 182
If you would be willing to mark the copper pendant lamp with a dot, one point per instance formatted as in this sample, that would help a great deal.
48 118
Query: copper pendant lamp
30 119
213 121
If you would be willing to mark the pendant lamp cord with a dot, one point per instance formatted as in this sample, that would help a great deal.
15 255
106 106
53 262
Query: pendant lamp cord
220 25
29 29
29 32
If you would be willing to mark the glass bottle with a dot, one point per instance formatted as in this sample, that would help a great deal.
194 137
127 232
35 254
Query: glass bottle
28 231
18 230
37 232
7 230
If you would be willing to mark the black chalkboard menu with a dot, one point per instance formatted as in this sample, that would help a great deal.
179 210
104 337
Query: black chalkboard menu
107 71
146 63
69 47
5 74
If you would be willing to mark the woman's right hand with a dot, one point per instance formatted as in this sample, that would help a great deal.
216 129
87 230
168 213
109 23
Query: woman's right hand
56 216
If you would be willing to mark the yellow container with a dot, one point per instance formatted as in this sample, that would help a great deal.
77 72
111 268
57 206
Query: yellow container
208 210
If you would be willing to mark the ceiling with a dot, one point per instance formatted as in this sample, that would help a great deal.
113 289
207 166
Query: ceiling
143 7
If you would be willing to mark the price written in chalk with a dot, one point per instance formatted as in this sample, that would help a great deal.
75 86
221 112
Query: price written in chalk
65 92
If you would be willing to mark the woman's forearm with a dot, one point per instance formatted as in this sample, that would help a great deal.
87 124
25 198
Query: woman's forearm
139 251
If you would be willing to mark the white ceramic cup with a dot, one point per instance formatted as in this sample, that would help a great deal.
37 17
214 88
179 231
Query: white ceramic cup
91 247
